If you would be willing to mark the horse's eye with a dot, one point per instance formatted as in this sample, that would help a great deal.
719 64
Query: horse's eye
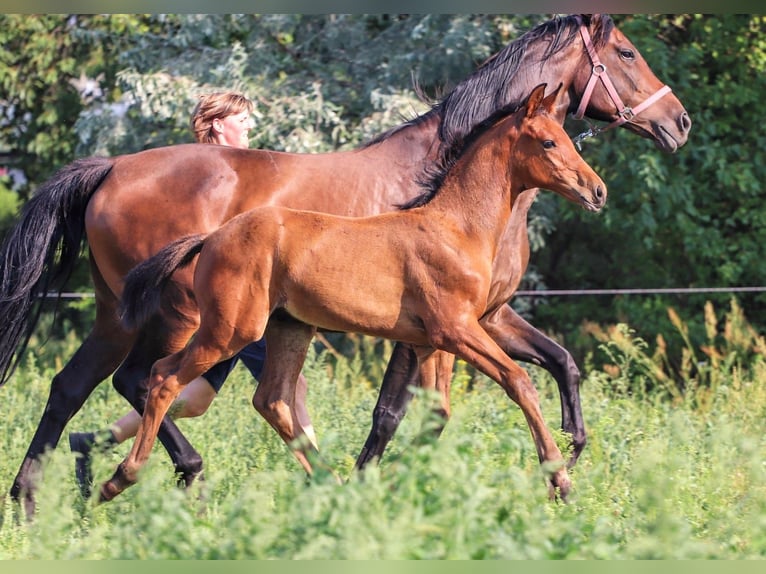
626 54
549 144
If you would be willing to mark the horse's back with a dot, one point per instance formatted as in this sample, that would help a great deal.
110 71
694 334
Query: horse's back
153 197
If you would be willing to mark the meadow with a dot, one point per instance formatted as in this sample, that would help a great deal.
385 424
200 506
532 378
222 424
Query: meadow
671 471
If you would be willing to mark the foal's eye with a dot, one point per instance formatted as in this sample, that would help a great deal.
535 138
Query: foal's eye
626 54
549 144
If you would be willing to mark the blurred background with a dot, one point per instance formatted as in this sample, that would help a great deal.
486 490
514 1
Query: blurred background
79 85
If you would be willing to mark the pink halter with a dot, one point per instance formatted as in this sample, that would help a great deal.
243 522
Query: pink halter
598 72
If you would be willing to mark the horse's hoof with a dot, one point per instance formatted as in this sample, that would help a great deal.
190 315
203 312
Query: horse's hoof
121 479
578 446
561 485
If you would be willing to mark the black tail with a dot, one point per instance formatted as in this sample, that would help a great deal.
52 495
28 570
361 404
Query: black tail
142 293
40 252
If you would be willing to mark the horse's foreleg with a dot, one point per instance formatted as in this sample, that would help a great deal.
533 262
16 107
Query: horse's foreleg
523 342
474 345
395 395
97 358
280 396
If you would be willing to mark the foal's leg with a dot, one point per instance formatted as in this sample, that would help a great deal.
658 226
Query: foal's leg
131 381
165 333
278 398
523 342
97 358
165 387
434 377
168 377
474 345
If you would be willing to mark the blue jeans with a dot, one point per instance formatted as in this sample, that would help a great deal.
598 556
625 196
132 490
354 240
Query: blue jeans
252 356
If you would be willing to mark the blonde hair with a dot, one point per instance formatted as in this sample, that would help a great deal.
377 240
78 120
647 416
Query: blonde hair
216 106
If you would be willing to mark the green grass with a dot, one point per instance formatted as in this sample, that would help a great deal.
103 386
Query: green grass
659 478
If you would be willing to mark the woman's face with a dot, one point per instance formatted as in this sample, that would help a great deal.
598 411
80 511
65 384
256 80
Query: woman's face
233 130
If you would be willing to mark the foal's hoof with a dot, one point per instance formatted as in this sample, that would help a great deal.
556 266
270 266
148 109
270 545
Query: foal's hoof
562 486
559 483
121 479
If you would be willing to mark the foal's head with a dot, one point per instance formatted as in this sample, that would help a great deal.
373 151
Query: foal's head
543 155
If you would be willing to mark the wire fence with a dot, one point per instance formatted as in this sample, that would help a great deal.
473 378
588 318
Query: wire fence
560 292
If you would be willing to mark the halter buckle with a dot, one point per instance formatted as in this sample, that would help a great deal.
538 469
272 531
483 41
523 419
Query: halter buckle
591 132
627 114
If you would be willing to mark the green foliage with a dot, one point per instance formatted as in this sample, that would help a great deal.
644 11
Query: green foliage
659 478
9 206
685 373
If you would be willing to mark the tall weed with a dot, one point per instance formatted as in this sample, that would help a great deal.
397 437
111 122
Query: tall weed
662 476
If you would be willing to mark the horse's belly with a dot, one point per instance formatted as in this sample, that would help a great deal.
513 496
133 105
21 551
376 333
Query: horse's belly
356 313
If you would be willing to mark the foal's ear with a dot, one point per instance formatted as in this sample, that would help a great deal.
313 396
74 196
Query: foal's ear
539 103
548 105
534 100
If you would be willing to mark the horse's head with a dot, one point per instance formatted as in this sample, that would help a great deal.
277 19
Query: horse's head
615 84
544 156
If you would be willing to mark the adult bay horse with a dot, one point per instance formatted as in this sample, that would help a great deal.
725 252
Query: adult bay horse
422 276
130 206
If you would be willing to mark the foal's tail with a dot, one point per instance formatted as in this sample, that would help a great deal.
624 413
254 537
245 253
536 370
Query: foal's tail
142 293
39 253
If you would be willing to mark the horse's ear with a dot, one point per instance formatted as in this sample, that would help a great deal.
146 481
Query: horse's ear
548 104
535 99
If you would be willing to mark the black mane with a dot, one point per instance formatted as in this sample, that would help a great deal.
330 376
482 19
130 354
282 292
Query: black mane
487 88
433 177
481 100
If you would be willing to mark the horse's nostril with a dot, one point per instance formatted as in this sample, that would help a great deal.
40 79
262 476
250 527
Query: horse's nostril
685 122
599 192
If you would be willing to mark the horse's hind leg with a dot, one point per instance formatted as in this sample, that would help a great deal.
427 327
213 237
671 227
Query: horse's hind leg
131 382
523 342
164 388
280 397
99 355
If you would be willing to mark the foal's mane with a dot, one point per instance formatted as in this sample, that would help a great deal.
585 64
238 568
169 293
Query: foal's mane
487 88
433 177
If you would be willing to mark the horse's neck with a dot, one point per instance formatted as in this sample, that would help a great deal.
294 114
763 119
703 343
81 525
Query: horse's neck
413 145
476 192
512 256
558 69
471 101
